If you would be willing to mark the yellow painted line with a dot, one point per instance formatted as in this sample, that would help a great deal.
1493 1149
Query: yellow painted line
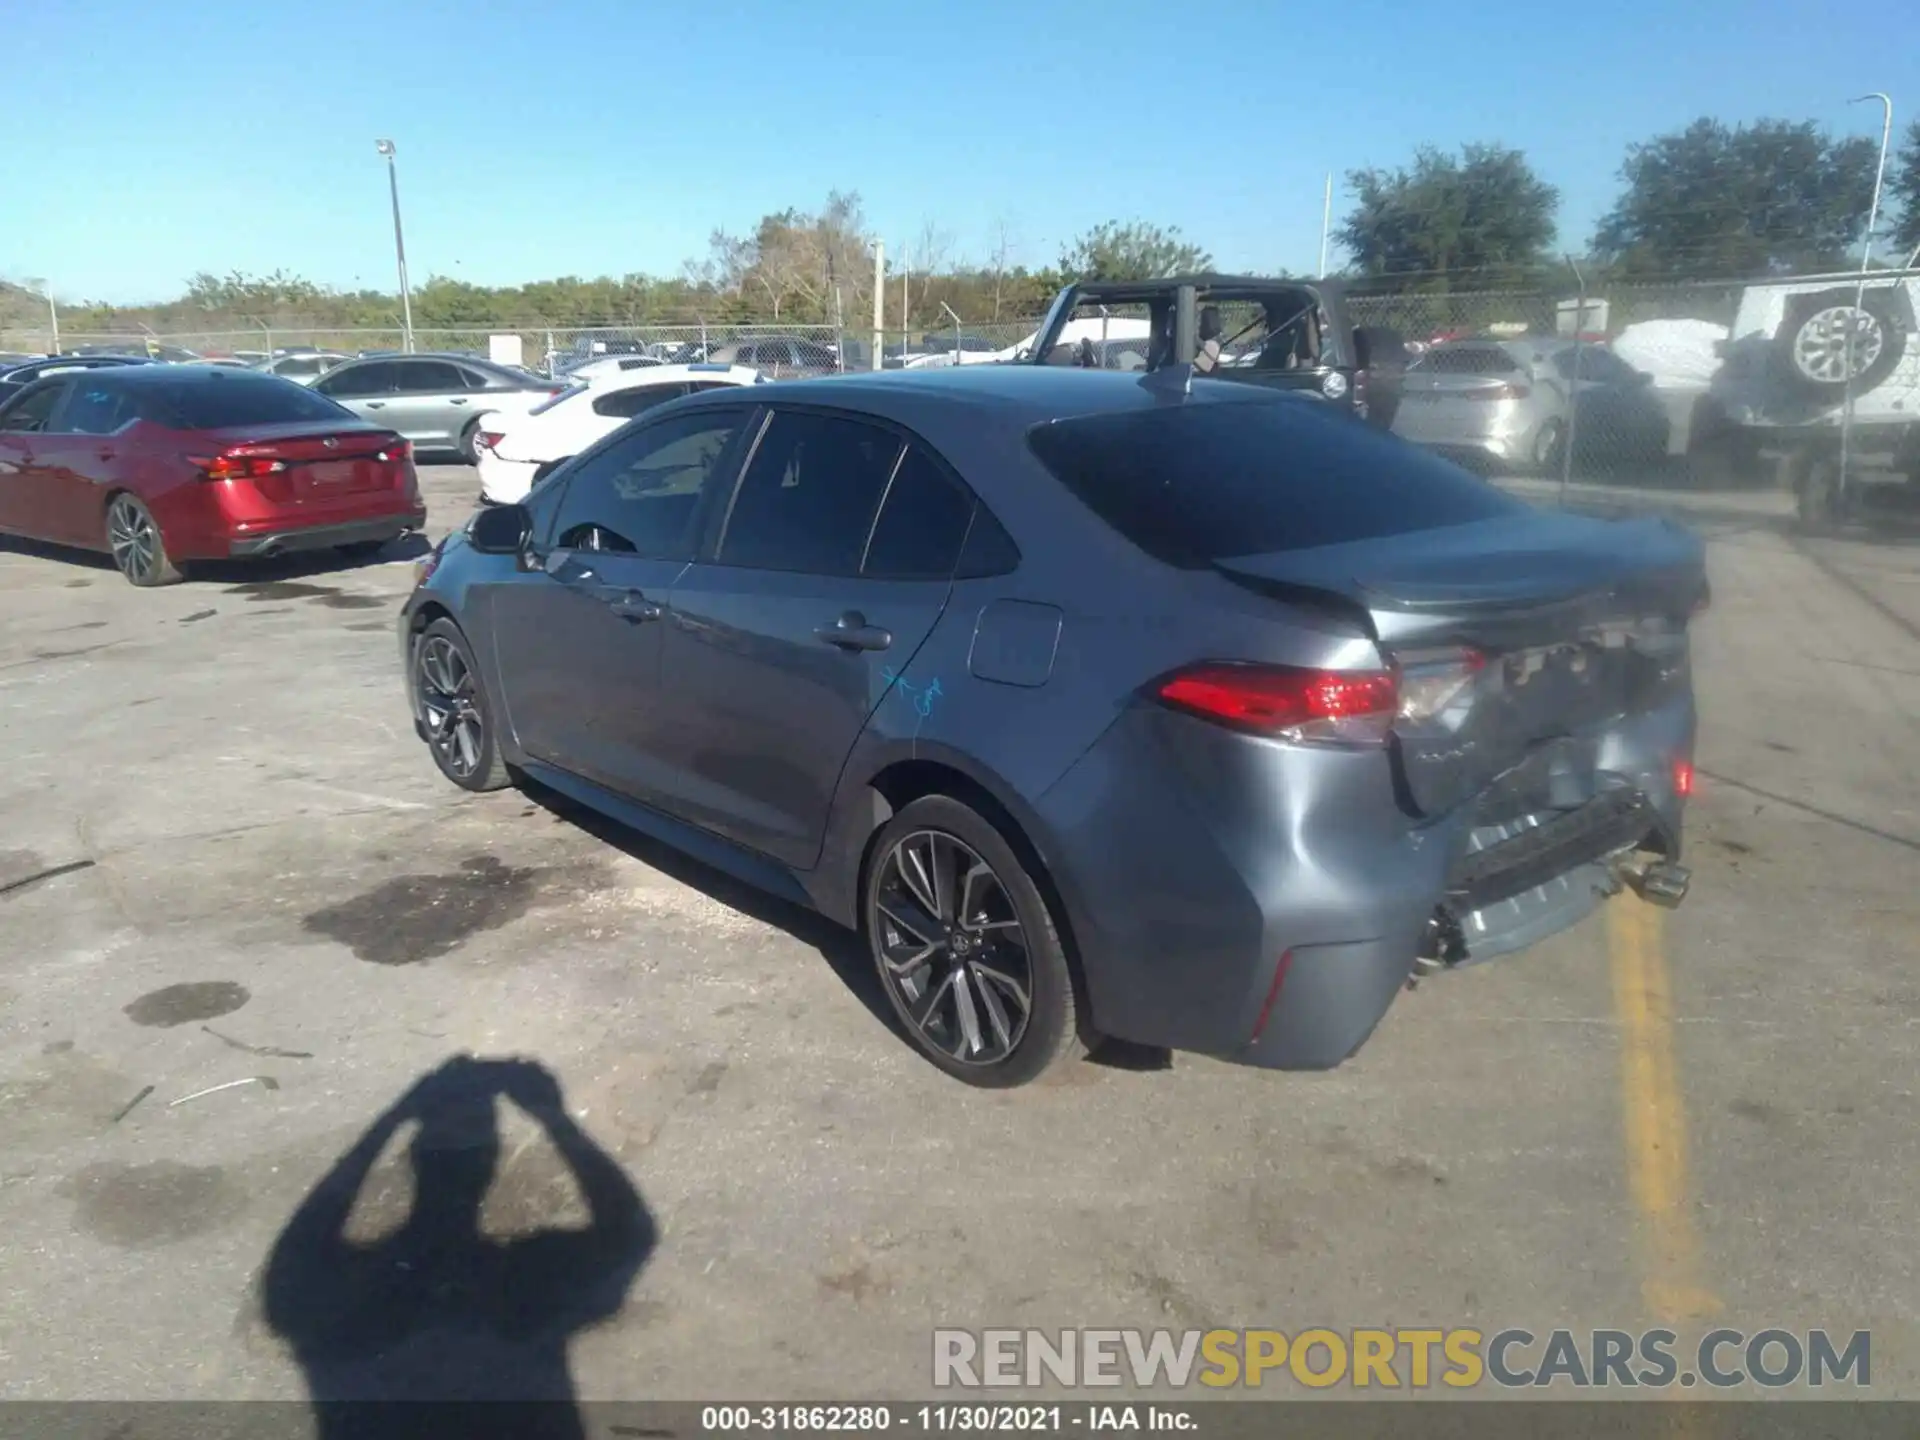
1653 1114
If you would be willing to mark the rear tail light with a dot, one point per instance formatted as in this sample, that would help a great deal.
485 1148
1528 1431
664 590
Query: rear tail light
231 466
1287 702
397 451
489 439
1683 778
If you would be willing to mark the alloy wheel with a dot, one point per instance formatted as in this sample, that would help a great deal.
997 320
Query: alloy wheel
952 948
449 705
132 536
1821 347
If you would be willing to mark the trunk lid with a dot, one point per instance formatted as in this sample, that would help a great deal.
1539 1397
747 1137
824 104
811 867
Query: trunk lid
320 462
1527 634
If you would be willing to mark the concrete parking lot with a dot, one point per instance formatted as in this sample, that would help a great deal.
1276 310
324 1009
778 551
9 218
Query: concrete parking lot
224 857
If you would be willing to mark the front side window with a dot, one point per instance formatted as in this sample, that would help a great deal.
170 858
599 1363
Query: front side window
429 377
29 414
351 382
807 500
94 409
640 495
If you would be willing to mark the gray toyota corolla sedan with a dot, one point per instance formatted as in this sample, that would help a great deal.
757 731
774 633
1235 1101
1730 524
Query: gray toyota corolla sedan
1187 713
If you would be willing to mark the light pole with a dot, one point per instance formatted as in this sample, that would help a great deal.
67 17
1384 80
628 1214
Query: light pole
53 312
1860 291
385 147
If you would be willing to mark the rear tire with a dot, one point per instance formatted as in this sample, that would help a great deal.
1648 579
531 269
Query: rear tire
1819 502
470 444
984 989
134 540
453 711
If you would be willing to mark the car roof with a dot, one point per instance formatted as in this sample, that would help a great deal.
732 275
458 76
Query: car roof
714 372
1024 394
144 375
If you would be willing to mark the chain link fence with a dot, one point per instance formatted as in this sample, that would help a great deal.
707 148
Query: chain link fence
1696 385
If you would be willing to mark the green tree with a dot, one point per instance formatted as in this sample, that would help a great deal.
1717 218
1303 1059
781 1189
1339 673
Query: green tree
1728 202
1482 215
1133 251
1902 199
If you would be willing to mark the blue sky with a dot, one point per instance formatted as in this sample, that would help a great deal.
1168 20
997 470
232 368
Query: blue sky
610 136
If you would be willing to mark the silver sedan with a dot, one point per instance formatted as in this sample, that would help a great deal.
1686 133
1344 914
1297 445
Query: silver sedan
1512 402
435 401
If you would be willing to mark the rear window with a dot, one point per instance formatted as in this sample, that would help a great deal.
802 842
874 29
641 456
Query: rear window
564 395
1486 360
1199 483
222 401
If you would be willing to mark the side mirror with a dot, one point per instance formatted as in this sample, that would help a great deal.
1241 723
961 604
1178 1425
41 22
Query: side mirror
500 529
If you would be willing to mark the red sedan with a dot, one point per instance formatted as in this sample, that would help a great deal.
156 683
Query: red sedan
162 465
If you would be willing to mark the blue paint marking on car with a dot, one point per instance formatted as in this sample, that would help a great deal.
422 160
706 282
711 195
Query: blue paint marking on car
921 696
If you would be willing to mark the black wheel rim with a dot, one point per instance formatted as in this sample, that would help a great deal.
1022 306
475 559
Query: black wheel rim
449 706
951 948
133 539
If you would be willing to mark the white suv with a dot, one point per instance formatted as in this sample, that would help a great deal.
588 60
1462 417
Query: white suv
1795 351
515 452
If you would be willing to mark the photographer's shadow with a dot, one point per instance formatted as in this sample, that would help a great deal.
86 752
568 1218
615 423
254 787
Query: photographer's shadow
435 1310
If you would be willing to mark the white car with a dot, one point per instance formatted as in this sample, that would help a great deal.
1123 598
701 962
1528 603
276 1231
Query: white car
516 451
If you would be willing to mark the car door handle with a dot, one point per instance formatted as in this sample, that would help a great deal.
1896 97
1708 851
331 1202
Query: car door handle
376 404
632 605
852 632
460 401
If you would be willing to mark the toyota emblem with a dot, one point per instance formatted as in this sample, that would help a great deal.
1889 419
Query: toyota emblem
331 443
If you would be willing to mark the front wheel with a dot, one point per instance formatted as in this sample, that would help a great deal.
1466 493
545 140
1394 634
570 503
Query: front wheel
966 947
139 550
454 713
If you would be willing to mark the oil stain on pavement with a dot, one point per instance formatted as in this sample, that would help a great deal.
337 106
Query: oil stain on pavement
413 918
162 1202
259 590
187 1004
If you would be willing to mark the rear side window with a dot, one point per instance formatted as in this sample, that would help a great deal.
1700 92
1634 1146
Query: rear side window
922 524
220 401
625 404
1197 483
807 500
